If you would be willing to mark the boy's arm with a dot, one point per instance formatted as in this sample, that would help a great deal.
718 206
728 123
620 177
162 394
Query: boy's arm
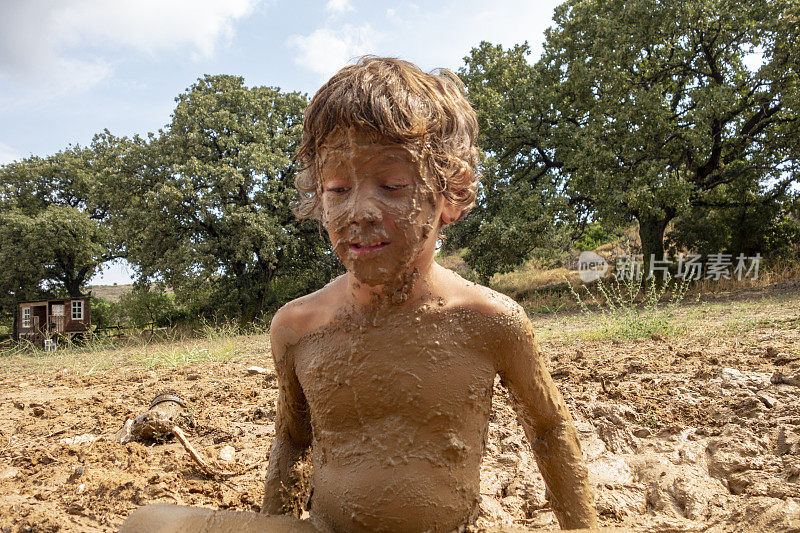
292 425
547 423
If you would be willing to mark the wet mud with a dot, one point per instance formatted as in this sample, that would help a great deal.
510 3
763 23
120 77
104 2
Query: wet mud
684 434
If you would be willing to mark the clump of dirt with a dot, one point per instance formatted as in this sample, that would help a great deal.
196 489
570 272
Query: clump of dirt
687 434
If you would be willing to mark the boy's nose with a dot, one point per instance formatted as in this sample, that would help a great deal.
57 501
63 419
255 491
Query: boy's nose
365 209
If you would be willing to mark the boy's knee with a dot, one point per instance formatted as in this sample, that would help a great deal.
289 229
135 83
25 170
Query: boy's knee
164 518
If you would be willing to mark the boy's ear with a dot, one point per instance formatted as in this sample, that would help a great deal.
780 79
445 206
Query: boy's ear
450 212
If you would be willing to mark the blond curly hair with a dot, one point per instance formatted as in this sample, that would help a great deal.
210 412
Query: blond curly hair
395 99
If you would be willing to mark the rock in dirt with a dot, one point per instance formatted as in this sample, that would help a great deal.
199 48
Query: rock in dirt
253 370
226 454
732 377
767 400
779 379
771 351
787 442
124 436
8 472
86 438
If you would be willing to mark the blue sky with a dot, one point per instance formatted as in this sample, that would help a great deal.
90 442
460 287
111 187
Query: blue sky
70 68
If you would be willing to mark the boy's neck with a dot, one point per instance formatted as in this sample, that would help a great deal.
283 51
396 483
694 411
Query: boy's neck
414 287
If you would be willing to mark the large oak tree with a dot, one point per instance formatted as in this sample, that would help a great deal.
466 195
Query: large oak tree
209 203
643 109
53 224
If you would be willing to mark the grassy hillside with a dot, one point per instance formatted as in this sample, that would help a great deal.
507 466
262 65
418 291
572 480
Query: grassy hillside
112 293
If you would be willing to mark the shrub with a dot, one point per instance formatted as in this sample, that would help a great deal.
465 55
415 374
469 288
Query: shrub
627 310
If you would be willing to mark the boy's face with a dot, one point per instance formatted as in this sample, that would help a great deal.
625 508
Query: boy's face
381 215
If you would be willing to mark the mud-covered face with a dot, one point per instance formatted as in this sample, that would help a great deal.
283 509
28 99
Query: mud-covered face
379 213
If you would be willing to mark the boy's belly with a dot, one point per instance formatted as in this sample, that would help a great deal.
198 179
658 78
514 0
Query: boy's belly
414 496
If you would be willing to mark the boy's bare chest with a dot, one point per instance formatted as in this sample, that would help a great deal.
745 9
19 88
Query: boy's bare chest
427 370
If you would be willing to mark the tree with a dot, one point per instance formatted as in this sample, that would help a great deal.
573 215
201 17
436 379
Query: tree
749 222
645 108
662 107
208 207
21 273
53 236
519 205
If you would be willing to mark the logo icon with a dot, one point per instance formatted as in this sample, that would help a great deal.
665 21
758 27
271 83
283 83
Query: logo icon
591 266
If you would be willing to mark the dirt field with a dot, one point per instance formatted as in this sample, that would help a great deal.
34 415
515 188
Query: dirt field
686 433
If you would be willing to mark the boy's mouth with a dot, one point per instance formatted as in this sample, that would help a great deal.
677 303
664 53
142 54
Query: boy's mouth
361 249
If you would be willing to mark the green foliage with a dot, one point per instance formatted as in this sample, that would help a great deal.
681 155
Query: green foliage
149 307
761 223
54 214
519 206
21 273
105 313
638 110
627 310
595 235
210 215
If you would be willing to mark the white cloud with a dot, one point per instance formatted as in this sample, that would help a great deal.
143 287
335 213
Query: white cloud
152 25
8 154
436 35
338 6
326 50
44 39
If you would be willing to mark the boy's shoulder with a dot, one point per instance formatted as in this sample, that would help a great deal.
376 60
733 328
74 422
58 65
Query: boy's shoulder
307 313
499 317
468 295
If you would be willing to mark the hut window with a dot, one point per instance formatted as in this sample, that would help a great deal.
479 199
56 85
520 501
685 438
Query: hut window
77 310
26 317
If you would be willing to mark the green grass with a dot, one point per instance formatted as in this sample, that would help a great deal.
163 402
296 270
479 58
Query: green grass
692 319
626 310
221 342
184 355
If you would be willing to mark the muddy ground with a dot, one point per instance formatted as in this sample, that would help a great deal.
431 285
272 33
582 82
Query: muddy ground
685 433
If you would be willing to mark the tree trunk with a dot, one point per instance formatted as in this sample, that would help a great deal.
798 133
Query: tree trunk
73 286
651 233
741 244
257 292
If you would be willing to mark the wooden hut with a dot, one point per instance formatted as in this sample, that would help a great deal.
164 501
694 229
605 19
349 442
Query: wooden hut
46 322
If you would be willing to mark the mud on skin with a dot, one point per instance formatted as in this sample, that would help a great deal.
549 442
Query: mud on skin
399 403
394 395
377 215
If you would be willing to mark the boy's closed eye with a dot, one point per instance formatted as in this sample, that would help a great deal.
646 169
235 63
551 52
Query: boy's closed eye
337 189
340 187
395 186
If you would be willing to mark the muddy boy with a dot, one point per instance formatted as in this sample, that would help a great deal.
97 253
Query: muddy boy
386 373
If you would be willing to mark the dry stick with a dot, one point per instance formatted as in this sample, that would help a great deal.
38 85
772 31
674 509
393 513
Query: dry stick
205 467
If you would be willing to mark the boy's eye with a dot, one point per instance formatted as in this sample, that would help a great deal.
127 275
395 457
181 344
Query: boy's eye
336 189
398 187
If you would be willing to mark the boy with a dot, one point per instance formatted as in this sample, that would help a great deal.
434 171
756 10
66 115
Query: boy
387 372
